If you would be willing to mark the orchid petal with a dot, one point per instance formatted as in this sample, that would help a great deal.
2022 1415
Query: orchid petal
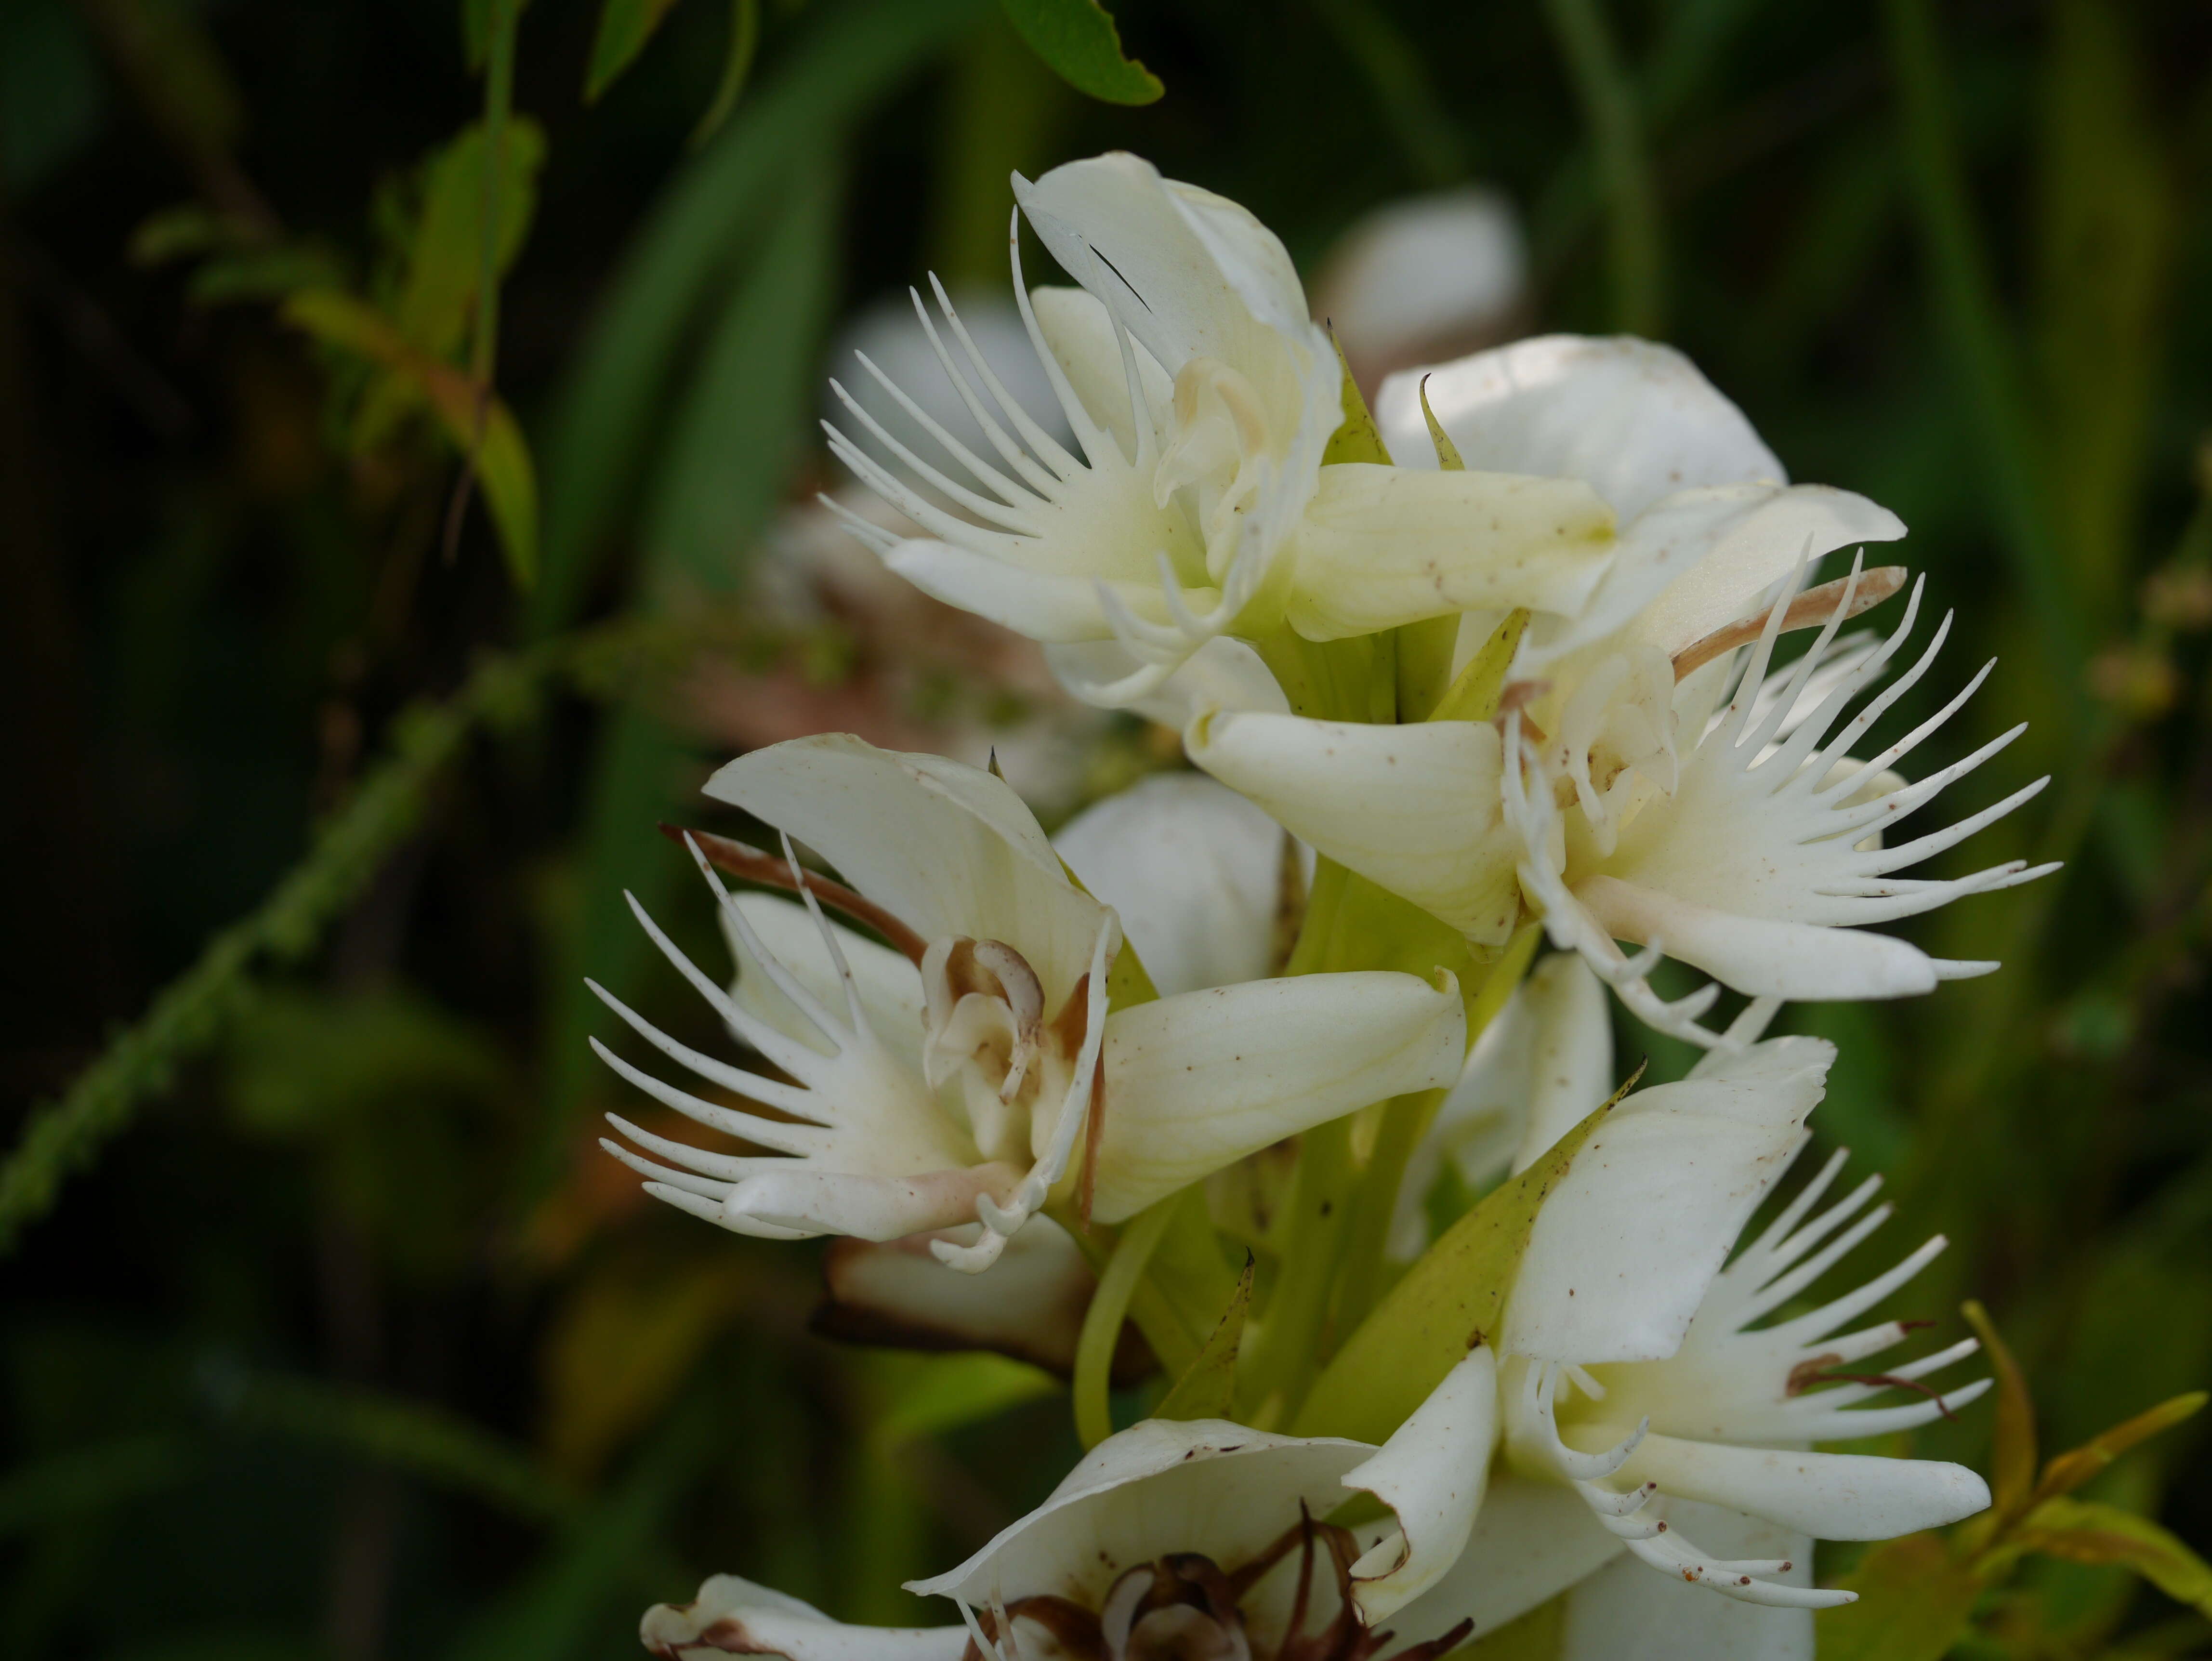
736 1616
1193 869
1571 1052
1833 1496
1696 560
1634 419
1530 1542
1197 1082
1432 1472
949 849
1639 1224
1057 607
1381 546
1757 955
1160 1486
1028 1305
1413 808
1221 674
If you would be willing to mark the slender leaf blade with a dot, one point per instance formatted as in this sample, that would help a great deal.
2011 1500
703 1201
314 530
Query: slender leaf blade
1078 41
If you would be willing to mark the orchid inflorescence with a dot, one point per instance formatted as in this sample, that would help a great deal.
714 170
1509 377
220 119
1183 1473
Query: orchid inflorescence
1502 663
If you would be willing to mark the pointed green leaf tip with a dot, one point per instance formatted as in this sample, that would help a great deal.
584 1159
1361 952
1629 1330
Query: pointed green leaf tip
1208 1386
1077 40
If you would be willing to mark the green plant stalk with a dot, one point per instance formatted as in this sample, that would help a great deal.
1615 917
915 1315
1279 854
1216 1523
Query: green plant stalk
193 1010
1608 98
1101 1321
1285 1349
1406 1119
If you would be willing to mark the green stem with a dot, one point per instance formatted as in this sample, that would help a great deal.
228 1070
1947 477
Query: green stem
1285 1348
191 1013
1406 1119
1609 105
1101 1321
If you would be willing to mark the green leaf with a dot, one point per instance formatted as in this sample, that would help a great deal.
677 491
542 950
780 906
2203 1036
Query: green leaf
2085 1531
625 27
1447 451
611 416
480 426
1207 1388
1475 694
445 257
737 65
2012 1476
1449 1301
479 20
1357 438
1078 40
1915 1599
2069 1470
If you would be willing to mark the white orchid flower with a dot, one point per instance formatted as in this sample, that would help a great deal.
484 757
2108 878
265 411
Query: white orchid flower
1633 1378
1202 397
955 1076
1178 1538
1749 841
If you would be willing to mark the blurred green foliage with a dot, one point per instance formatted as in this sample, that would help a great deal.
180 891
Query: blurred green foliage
326 1331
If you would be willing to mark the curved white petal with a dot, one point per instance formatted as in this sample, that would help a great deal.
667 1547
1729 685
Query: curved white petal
1754 536
1413 808
1569 1051
1756 955
1627 1611
1640 1222
1831 1496
799 1199
1160 1486
1222 675
1195 872
948 849
737 1617
1531 1541
1028 1305
1055 607
1192 275
1432 1472
1197 1082
1635 419
1700 559
1381 546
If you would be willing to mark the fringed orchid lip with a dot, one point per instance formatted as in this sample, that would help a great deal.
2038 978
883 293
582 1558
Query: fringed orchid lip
1766 839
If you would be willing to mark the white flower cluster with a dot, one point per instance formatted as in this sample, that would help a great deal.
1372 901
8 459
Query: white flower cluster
1501 661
